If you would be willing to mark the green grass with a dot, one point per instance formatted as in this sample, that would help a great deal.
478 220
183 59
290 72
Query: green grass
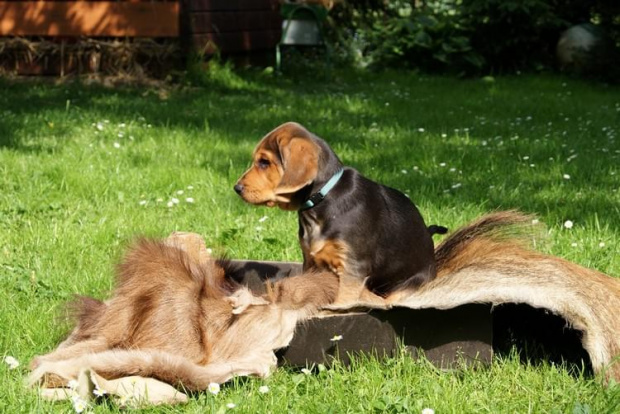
84 169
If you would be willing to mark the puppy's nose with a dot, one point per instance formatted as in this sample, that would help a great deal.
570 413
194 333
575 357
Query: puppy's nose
238 188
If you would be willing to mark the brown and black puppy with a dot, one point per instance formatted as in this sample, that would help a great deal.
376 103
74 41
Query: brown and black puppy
370 235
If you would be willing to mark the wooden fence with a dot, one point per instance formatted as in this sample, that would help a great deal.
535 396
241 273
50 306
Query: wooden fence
57 37
89 18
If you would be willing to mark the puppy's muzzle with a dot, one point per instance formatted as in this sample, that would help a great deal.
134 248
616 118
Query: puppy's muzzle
238 188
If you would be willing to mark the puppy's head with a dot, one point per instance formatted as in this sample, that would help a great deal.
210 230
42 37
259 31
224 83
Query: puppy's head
284 162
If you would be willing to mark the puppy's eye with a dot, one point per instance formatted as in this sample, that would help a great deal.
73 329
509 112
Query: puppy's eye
263 163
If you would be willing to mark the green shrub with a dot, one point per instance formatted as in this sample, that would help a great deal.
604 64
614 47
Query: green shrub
463 36
429 37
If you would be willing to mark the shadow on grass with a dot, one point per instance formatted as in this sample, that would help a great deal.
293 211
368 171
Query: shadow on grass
381 124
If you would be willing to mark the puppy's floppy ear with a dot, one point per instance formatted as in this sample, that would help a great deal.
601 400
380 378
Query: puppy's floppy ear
300 163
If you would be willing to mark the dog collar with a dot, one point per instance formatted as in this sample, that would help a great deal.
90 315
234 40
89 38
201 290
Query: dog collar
317 197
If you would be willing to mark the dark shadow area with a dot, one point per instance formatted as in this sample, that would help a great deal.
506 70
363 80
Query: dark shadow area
539 337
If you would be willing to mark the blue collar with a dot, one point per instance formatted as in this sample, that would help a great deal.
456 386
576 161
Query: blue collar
316 198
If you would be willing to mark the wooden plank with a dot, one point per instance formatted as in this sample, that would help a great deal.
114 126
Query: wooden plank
221 22
83 18
236 42
231 5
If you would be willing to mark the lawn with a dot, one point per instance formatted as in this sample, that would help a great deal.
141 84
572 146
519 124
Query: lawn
86 169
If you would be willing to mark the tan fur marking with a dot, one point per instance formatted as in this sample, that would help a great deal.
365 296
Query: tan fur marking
330 254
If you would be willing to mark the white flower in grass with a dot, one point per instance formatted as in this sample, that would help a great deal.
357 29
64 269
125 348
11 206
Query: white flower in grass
117 145
99 126
231 405
79 404
174 200
12 362
170 204
189 200
428 411
214 388
420 129
442 164
99 392
263 389
336 338
573 244
403 171
535 221
142 202
568 224
262 219
601 244
180 192
120 135
259 228
306 371
566 176
190 187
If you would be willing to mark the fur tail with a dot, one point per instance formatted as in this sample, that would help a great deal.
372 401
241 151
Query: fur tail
501 226
172 369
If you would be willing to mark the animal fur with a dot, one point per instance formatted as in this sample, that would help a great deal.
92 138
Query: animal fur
171 318
185 332
483 263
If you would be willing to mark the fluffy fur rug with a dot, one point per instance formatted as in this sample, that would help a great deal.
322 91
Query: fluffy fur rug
173 291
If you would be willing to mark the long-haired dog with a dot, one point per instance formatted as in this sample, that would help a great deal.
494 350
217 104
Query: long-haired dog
372 236
171 318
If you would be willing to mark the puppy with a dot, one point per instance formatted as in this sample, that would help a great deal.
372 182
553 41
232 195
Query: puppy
372 236
171 318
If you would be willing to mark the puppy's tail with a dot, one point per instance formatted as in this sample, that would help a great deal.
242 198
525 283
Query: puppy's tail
436 229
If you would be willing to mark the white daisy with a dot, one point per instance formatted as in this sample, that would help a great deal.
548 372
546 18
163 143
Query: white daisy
214 388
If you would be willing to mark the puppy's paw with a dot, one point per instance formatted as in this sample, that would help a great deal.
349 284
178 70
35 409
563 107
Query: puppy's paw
243 299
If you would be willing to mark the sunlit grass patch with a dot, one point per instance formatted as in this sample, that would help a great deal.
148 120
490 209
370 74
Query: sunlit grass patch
85 169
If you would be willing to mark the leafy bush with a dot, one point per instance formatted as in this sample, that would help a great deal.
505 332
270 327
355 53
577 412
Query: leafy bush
463 36
396 33
516 34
